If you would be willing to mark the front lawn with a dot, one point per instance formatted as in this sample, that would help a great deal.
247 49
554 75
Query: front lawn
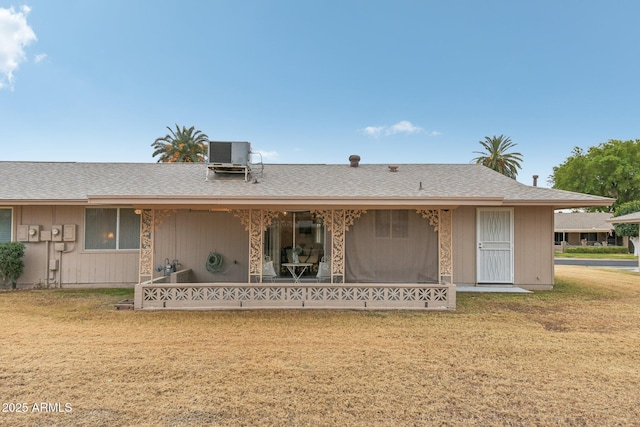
564 357
595 256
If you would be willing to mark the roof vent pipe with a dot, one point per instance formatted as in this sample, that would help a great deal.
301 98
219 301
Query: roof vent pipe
535 180
354 159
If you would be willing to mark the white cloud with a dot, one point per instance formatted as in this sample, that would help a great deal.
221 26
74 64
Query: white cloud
374 131
15 35
39 58
403 126
435 133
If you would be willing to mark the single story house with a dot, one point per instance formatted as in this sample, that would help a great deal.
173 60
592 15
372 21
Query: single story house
585 228
205 236
632 218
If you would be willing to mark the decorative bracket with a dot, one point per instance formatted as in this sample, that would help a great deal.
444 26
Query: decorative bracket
432 215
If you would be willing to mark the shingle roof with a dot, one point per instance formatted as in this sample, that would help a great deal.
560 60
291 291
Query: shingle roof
421 184
625 219
582 222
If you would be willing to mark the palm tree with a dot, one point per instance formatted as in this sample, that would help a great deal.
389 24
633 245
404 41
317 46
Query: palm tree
183 145
496 156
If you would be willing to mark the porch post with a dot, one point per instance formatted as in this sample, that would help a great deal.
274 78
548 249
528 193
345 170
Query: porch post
338 221
445 246
342 219
337 246
255 221
145 268
255 245
441 221
146 245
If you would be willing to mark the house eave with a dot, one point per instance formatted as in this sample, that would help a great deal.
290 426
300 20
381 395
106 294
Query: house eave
583 230
623 221
306 202
561 204
294 202
43 202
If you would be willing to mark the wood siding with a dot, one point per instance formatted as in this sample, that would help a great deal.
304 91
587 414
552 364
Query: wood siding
189 237
533 246
464 246
75 265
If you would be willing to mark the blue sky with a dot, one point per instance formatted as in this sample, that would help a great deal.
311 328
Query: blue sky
315 81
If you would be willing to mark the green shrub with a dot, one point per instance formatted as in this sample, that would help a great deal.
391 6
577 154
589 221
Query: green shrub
596 250
11 262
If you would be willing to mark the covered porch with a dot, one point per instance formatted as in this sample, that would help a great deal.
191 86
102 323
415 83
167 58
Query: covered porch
335 276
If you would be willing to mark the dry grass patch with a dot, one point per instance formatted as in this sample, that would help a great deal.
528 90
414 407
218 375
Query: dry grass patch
566 357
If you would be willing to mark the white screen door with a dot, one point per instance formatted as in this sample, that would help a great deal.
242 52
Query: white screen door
495 245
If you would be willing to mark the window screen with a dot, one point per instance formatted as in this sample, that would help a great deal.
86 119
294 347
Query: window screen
392 224
5 225
129 235
111 228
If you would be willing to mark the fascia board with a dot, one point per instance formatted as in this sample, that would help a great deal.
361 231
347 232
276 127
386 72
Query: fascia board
307 202
561 204
582 230
624 221
44 202
297 201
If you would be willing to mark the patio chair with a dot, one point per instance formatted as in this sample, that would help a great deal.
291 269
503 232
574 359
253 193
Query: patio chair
268 272
324 271
311 257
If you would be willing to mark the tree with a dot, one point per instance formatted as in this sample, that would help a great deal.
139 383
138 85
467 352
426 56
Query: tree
611 169
11 262
630 230
497 157
183 145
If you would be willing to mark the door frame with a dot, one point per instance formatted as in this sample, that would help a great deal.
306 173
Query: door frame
479 244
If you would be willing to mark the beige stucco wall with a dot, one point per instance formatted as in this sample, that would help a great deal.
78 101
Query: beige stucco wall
533 246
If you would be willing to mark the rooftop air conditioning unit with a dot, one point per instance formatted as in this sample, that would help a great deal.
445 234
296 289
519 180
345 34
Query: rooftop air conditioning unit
229 154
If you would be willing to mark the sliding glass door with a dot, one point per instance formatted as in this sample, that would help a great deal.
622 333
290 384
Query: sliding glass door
294 232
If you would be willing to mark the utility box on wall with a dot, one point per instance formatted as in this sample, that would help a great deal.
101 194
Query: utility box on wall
69 233
34 233
23 233
56 233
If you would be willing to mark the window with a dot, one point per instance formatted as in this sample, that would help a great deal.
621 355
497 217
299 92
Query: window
392 224
589 237
111 229
5 225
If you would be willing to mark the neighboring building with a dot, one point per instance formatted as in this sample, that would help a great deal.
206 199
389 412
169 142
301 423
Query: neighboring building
585 228
632 218
391 236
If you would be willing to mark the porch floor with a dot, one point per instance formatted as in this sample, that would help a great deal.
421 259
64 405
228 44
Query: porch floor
495 289
507 289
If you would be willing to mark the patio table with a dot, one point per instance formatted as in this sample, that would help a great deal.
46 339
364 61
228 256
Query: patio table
293 266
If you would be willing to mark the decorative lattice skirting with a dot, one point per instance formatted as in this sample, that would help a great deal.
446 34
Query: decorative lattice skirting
244 296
